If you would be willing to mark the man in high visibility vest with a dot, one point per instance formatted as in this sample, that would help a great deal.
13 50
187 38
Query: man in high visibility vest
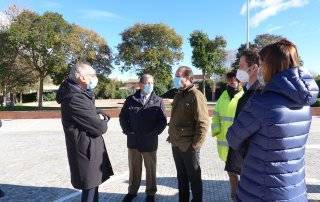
223 116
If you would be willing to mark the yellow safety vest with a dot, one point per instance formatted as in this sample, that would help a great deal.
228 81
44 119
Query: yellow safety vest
222 119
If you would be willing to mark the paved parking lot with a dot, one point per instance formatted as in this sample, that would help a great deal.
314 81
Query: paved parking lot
34 166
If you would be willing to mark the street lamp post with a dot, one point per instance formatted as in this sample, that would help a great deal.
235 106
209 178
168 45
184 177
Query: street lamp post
247 44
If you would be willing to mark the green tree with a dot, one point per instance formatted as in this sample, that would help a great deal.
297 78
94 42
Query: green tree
110 89
208 55
41 41
259 42
235 64
317 79
263 40
86 45
15 76
150 48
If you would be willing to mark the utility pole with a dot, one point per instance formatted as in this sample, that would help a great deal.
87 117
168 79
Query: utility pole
248 17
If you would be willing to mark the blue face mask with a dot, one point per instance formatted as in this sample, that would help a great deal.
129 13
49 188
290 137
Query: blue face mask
92 84
147 89
177 82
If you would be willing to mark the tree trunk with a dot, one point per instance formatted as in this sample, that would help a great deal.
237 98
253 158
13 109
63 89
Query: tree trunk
204 83
20 99
1 99
40 93
12 99
15 97
3 102
214 91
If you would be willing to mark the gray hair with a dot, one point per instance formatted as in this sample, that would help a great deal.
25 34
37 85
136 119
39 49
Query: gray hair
145 77
80 69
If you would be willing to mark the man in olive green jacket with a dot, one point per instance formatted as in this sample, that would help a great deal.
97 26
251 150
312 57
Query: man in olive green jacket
187 130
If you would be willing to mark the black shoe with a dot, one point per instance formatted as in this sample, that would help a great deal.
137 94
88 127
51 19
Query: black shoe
233 197
150 198
129 197
1 193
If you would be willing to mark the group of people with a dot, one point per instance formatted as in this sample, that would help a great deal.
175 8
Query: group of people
261 122
262 125
143 118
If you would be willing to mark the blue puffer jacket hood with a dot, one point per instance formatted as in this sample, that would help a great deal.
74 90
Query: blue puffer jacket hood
296 84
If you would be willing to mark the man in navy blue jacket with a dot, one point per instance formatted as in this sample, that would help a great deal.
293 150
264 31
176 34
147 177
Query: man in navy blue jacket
248 75
142 119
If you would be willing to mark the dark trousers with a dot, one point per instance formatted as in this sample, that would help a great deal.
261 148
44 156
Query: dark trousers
188 172
1 193
90 195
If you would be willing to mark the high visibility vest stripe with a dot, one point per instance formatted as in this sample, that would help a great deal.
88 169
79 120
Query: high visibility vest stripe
214 126
222 143
228 119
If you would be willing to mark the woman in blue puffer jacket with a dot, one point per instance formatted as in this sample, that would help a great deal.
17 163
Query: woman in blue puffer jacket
276 122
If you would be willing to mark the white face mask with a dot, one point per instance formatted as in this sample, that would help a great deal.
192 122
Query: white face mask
242 76
92 83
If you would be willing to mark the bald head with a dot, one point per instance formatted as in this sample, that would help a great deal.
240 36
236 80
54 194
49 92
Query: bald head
83 73
81 69
145 78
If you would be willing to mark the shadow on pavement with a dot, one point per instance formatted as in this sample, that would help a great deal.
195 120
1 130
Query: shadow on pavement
19 193
213 190
313 188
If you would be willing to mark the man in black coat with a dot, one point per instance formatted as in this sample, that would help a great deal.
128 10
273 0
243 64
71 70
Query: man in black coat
142 119
247 74
84 126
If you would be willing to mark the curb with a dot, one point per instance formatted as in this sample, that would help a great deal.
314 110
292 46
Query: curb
55 114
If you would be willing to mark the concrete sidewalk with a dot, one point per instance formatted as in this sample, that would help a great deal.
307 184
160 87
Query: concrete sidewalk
34 165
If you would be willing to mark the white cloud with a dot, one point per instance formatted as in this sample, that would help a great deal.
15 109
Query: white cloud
275 28
264 9
4 20
93 14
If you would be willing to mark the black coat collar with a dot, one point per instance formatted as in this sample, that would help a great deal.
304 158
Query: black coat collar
76 88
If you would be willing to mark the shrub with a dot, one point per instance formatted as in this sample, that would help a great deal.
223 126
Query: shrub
49 96
317 104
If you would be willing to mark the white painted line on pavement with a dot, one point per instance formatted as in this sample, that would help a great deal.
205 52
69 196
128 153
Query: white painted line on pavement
313 146
313 180
77 193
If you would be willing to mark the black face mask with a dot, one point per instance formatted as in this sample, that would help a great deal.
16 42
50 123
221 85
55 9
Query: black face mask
232 91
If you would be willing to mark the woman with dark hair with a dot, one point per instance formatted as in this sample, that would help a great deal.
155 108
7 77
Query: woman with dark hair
276 122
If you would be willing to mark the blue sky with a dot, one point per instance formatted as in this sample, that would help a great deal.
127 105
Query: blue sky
298 20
